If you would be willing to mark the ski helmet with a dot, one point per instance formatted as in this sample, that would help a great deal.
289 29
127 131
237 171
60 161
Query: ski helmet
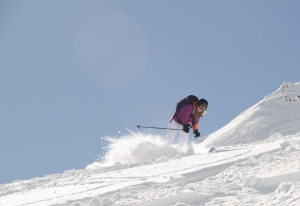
202 102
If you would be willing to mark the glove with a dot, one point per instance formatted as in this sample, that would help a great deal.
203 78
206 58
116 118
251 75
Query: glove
196 133
186 128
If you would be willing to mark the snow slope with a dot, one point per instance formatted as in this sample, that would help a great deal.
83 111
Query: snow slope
277 113
257 164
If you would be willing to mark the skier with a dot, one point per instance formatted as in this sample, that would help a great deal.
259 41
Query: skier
188 111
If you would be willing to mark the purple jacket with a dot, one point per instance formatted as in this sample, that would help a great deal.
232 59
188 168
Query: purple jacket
185 116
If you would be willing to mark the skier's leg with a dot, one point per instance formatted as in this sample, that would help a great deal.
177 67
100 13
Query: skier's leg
172 133
183 138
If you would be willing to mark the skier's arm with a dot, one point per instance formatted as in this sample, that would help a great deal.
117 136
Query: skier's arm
195 124
195 128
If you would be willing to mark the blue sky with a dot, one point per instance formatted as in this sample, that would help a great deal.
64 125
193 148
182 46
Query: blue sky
72 72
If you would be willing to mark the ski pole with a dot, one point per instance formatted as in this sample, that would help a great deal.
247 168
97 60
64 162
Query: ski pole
156 127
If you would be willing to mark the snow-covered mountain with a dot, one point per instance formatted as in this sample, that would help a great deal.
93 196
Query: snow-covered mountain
278 112
257 162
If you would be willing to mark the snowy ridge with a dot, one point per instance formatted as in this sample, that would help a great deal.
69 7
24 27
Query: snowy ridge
257 162
278 112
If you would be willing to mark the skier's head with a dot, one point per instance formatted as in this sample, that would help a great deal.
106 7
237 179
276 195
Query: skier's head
203 103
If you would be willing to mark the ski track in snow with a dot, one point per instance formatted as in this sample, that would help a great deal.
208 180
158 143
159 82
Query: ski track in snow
235 174
257 162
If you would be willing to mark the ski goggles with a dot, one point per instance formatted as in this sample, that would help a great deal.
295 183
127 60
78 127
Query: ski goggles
202 106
